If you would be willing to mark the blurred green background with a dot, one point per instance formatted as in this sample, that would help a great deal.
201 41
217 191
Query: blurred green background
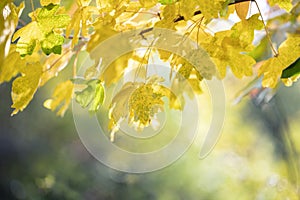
43 158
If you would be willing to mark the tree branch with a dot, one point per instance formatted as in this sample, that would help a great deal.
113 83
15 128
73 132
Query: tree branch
198 12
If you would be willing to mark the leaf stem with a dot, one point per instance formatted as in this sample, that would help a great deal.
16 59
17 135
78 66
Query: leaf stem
266 29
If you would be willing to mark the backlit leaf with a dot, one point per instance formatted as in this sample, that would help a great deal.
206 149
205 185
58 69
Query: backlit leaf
42 29
47 2
11 65
144 103
92 95
272 68
212 9
187 8
25 86
119 106
168 14
227 48
81 21
148 3
116 69
284 4
242 9
61 98
165 2
9 18
54 64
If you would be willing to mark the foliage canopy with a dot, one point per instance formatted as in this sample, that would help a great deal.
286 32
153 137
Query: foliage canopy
38 51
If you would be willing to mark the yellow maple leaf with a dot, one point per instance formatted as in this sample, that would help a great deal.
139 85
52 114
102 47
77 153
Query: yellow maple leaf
211 9
144 103
284 4
187 8
148 3
116 69
42 29
24 87
81 21
168 13
11 65
272 68
227 48
9 18
118 108
242 9
61 98
54 64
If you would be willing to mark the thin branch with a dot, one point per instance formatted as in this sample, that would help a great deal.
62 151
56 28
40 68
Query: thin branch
267 32
181 18
198 12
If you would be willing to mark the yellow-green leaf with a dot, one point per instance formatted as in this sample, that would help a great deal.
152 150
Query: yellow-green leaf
168 14
272 68
187 8
47 2
211 9
42 29
92 95
144 103
81 21
11 65
148 3
227 48
119 105
61 98
24 87
9 18
284 4
54 64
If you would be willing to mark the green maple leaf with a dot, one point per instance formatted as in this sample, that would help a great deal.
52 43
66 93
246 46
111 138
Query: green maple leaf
166 2
42 29
92 95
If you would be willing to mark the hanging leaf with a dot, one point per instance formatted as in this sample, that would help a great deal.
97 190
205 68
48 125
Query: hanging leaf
54 64
118 108
9 18
47 2
144 103
61 98
284 4
166 2
242 9
42 29
148 3
273 67
168 14
227 48
24 87
212 9
92 95
11 65
81 21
